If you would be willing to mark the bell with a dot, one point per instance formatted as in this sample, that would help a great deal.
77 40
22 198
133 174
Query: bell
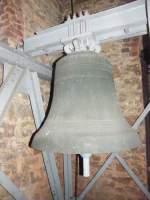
84 115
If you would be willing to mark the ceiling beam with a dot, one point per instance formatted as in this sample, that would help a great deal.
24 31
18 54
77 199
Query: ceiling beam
19 58
117 23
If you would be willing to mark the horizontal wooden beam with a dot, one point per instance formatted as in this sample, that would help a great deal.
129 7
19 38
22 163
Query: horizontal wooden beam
117 23
19 58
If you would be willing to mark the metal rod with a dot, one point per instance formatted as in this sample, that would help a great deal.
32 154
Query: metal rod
72 8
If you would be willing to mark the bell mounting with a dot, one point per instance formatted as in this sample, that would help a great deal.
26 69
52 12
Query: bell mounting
79 36
122 22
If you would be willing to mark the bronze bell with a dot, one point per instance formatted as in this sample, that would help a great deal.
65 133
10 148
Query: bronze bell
84 115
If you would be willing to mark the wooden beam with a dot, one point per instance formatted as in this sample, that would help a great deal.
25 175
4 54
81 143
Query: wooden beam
9 87
19 58
145 64
117 23
33 88
12 189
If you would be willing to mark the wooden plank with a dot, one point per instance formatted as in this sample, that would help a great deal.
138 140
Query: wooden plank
9 87
117 23
11 187
19 58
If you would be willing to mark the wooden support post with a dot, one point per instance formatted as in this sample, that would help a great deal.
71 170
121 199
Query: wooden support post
68 177
145 64
9 87
13 77
33 89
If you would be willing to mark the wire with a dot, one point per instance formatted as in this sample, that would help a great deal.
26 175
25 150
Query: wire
146 7
72 8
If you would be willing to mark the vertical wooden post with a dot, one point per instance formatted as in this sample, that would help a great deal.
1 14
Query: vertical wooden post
145 64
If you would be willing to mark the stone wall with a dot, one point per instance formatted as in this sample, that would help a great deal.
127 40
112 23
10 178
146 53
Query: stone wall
22 164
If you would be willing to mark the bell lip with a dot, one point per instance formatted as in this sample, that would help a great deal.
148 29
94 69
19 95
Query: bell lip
88 152
129 142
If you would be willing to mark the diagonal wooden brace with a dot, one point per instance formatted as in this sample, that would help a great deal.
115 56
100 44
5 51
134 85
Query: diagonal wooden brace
33 90
113 156
9 87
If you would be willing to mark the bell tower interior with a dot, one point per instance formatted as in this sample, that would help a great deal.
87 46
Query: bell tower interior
23 165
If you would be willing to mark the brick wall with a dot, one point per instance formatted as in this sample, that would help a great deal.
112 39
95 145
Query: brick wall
124 56
11 20
24 165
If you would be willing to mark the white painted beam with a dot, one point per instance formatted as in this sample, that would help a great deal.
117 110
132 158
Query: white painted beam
142 117
102 169
121 22
135 178
68 189
33 90
16 57
11 187
9 87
